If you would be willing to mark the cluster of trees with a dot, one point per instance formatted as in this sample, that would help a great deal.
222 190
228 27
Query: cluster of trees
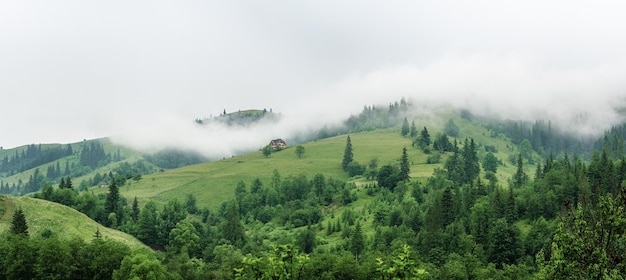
174 158
32 156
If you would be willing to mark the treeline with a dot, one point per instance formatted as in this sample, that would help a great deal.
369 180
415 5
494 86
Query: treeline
174 158
241 118
32 156
565 221
371 118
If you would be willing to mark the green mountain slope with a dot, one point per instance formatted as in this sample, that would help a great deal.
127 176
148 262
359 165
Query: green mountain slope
215 182
62 221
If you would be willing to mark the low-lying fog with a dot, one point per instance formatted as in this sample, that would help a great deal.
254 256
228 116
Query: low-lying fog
142 71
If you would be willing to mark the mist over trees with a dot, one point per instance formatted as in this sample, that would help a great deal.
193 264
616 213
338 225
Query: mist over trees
461 222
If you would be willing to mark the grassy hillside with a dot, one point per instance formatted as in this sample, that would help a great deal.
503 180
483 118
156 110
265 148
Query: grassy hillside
213 183
129 155
62 221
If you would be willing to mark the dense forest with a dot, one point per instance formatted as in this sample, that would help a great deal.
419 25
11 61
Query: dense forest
565 220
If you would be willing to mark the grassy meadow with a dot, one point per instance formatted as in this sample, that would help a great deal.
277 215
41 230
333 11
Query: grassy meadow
62 221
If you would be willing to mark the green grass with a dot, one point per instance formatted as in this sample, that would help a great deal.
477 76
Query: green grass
214 182
63 221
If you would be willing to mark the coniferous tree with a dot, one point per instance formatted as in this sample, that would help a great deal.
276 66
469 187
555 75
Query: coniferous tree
405 169
112 203
68 183
470 161
135 214
424 138
18 224
148 230
348 157
232 229
520 177
405 127
357 243
413 132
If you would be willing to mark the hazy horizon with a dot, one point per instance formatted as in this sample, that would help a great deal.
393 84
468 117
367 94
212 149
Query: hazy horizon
142 71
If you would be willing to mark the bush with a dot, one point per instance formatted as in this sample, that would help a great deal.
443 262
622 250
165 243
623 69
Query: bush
354 169
433 159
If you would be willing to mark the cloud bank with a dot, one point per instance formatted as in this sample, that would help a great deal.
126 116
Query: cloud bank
142 71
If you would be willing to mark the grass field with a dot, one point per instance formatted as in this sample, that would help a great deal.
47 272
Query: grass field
214 182
62 221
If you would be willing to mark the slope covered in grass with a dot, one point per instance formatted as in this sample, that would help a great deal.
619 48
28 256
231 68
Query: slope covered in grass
62 221
215 182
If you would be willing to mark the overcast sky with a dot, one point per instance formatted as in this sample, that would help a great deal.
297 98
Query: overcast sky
71 70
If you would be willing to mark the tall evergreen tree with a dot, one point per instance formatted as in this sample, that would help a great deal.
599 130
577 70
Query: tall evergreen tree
348 157
471 166
413 132
357 242
135 214
405 168
112 203
148 230
405 127
232 229
18 224
520 177
424 138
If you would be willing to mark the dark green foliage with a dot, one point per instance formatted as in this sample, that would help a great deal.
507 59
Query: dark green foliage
503 243
405 168
93 155
112 203
442 143
173 158
471 166
232 229
451 129
267 151
372 169
490 162
388 177
148 231
348 157
357 242
306 240
589 242
520 177
33 156
135 210
434 158
190 204
404 131
413 132
18 223
354 169
52 258
424 140
141 266
299 151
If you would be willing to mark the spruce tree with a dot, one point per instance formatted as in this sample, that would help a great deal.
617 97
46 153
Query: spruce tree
348 157
357 243
405 127
232 229
112 200
18 224
519 178
424 138
413 132
405 169
135 210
